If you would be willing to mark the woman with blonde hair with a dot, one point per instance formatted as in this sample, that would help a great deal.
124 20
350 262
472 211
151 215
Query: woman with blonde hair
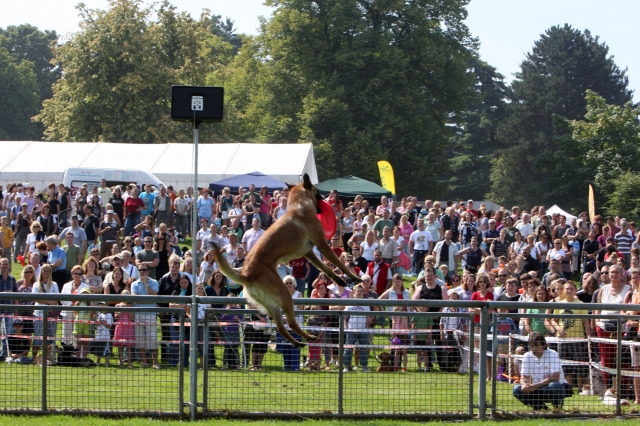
369 245
72 287
42 286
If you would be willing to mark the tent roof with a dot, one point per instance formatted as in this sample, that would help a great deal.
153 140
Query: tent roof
256 178
350 186
557 210
172 163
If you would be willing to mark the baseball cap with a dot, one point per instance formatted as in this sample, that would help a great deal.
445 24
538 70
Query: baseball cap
470 201
75 216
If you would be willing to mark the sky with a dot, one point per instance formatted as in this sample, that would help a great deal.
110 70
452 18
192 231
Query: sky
507 29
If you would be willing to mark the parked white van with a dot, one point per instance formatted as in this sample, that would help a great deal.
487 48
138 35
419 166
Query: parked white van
76 176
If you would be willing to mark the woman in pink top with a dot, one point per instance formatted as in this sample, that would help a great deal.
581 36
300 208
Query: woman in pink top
265 206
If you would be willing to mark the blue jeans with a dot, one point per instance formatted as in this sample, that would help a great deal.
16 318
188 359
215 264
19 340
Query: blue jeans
361 339
172 347
130 222
553 393
290 354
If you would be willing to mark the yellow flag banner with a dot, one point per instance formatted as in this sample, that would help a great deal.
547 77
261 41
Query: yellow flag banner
592 205
386 176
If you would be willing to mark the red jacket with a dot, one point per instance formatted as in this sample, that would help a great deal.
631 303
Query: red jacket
378 275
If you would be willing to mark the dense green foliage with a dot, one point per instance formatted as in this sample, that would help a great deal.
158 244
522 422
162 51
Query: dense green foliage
31 52
119 70
363 80
19 99
553 81
474 144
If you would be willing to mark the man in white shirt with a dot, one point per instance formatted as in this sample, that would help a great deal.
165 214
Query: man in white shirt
420 244
524 226
251 237
541 376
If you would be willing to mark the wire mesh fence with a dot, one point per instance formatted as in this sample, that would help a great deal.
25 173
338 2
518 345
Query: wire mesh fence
383 363
403 359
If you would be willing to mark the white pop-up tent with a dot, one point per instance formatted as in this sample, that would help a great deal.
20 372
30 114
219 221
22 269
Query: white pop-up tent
557 210
39 163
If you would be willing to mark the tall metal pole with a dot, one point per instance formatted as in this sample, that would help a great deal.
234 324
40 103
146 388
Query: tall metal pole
193 338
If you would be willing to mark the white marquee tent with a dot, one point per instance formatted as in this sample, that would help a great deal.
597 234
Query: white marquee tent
39 163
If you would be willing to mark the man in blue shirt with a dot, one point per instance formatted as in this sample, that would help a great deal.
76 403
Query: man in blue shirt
58 260
148 198
146 328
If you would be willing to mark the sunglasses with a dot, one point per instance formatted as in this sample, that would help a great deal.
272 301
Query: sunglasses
503 275
77 273
143 270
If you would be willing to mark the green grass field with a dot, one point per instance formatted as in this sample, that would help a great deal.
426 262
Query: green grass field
138 390
94 421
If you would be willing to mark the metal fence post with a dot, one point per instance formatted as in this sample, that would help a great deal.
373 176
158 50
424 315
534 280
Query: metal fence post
494 363
205 363
340 364
180 365
619 368
45 333
472 357
482 376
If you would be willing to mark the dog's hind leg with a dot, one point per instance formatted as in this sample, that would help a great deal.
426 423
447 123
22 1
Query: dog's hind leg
291 319
282 329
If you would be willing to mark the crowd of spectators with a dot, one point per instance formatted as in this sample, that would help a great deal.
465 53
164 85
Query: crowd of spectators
120 240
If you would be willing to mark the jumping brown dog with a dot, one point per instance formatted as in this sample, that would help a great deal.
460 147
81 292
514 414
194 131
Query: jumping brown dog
294 235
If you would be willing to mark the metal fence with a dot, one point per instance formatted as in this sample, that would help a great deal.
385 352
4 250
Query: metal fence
387 362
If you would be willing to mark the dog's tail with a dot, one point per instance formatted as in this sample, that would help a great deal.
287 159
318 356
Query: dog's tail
226 269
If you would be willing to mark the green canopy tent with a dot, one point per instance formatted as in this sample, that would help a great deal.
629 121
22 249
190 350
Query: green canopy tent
350 186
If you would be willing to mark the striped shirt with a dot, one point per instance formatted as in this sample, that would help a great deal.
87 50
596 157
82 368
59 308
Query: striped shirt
623 242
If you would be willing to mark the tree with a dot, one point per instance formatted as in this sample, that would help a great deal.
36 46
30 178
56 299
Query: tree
224 30
606 143
625 198
474 143
554 77
118 71
19 99
362 80
26 42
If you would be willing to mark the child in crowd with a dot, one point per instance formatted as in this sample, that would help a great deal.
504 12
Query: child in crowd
124 332
356 331
103 335
82 326
231 336
19 345
137 245
449 338
422 337
505 326
400 324
201 314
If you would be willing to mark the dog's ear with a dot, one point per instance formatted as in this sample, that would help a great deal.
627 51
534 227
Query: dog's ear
307 181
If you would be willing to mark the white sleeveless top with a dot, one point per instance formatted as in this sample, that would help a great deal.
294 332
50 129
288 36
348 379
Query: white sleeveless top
606 296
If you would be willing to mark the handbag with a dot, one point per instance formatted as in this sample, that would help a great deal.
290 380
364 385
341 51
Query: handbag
610 325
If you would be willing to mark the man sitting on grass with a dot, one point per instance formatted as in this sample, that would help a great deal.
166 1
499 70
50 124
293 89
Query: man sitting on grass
541 377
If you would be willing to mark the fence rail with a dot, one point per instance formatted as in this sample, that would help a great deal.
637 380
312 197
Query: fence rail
246 369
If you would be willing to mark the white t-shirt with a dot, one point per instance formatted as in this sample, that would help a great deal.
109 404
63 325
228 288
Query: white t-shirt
357 321
102 332
367 250
421 240
525 230
543 367
36 289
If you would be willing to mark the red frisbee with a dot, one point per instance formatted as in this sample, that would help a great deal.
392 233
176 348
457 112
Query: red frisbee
327 218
